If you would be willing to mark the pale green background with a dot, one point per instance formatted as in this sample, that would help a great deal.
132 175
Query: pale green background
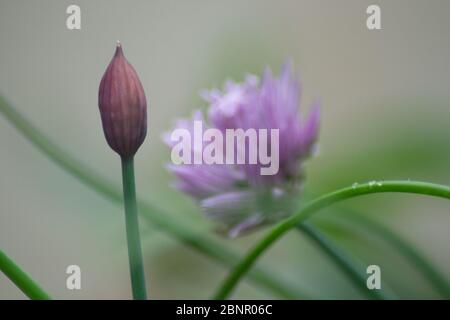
386 114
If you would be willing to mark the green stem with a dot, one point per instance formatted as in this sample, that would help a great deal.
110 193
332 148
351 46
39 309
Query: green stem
437 280
354 271
22 280
354 191
158 217
132 226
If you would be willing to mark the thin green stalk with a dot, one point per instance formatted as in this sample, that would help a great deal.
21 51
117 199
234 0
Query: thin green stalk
350 192
132 226
158 217
22 280
437 280
353 270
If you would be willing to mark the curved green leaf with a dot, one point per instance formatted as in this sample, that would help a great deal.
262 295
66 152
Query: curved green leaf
309 209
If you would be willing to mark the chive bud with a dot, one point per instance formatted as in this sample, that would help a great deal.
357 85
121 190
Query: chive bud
123 106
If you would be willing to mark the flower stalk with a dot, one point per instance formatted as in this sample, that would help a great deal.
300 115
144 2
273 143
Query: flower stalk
132 229
21 279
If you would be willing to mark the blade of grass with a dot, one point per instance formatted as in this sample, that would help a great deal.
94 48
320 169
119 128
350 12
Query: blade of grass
354 271
21 279
156 216
310 208
436 279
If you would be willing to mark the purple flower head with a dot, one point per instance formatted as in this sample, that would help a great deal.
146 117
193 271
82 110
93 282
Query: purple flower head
236 194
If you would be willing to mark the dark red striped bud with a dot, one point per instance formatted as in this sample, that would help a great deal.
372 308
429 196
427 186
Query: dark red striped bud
123 106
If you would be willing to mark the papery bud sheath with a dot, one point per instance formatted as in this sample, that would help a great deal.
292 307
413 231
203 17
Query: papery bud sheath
123 106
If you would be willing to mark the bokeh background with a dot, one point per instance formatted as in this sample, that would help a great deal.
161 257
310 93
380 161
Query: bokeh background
385 115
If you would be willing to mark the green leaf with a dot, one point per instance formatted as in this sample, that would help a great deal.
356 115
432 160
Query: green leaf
414 187
22 280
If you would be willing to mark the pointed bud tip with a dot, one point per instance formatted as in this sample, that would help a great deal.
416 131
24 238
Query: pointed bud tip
118 49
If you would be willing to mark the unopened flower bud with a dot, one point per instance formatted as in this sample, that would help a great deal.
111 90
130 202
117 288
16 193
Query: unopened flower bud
123 106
